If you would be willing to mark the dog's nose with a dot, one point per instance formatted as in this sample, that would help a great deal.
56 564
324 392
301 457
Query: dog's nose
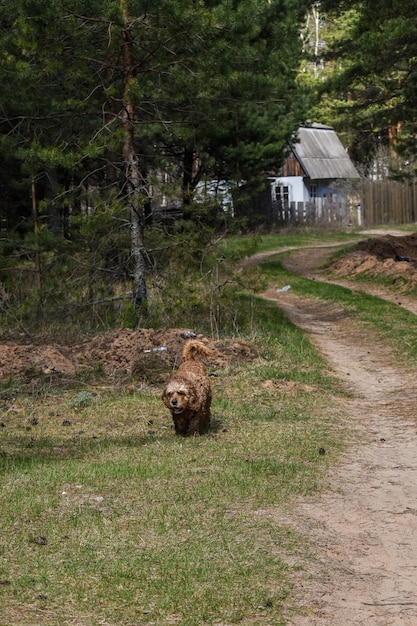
174 402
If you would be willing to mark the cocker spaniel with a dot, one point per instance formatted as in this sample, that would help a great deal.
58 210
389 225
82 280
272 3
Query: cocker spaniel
188 393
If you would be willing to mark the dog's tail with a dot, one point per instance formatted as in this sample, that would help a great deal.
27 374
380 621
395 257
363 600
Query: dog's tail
193 348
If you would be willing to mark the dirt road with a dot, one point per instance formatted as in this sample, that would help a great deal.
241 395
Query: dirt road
363 529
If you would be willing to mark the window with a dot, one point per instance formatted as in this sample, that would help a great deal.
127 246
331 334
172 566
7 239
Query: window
282 193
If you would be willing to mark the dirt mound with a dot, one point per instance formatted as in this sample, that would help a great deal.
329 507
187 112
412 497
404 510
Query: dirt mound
145 354
382 256
393 247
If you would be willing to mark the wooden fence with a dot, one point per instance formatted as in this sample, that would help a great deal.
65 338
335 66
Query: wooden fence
374 203
387 202
320 212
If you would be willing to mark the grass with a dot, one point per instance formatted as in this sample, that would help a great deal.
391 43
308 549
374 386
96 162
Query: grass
285 238
110 519
396 326
145 532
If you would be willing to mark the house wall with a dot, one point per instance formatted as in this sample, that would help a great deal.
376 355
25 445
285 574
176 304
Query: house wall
219 190
323 189
299 188
292 167
297 191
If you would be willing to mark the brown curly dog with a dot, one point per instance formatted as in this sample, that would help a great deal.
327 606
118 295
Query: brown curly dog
188 394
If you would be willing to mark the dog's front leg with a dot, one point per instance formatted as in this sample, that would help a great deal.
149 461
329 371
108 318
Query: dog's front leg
180 424
198 424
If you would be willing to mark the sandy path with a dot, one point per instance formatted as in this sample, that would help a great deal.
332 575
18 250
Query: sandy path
364 527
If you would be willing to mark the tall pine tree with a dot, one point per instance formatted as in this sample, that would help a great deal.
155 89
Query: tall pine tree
371 92
99 96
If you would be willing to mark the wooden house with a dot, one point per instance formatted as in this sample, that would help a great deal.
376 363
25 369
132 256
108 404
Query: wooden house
317 167
314 185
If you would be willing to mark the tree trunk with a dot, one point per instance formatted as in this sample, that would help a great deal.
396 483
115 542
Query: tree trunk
187 178
38 268
190 179
135 184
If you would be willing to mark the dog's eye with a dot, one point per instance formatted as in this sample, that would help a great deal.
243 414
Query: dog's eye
181 393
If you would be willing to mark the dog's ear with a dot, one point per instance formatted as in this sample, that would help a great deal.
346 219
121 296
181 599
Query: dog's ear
169 388
164 396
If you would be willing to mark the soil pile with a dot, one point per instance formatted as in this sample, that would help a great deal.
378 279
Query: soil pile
145 354
382 256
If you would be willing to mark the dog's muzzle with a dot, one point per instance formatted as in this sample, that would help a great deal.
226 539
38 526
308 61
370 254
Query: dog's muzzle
174 406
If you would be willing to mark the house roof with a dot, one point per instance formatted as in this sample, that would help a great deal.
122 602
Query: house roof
321 153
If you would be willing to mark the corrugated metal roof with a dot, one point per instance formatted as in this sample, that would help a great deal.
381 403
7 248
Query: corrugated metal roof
322 155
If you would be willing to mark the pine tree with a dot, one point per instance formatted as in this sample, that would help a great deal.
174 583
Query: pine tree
371 89
99 96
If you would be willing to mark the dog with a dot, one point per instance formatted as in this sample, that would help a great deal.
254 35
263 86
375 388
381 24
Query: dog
188 393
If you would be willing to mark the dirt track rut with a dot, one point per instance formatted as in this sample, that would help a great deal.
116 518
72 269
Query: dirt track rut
364 527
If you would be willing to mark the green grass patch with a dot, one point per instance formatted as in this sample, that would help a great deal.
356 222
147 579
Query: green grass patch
108 517
300 237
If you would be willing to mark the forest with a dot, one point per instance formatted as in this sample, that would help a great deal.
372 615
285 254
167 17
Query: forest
115 114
